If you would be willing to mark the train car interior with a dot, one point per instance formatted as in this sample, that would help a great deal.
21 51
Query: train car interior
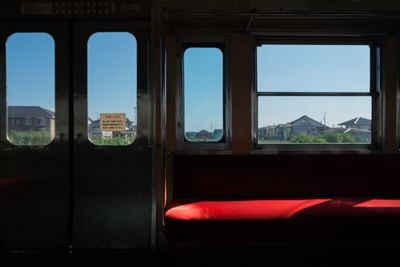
199 133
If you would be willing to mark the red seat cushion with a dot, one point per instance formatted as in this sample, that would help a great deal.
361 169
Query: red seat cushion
240 210
283 218
281 209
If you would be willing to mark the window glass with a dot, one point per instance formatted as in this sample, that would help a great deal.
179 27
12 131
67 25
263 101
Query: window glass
30 77
314 94
112 88
313 68
203 94
320 120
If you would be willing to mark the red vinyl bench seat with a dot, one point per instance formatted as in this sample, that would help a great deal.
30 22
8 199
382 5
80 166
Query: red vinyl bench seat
283 219
283 197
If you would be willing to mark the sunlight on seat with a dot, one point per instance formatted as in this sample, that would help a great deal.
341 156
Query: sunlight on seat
379 203
241 210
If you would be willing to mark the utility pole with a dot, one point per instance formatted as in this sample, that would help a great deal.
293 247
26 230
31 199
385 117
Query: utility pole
135 111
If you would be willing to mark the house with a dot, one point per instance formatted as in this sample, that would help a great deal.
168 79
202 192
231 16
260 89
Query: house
357 123
308 126
276 132
302 125
204 134
360 135
95 131
216 135
359 128
31 118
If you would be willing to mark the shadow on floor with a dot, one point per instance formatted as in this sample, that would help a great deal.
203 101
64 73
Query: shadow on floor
216 255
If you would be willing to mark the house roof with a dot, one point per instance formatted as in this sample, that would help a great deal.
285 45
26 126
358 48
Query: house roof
357 121
29 111
305 117
204 132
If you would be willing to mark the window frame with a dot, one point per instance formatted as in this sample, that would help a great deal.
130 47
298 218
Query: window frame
140 30
138 93
397 51
51 31
375 87
182 142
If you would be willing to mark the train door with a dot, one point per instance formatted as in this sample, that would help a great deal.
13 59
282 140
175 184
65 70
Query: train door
34 148
111 179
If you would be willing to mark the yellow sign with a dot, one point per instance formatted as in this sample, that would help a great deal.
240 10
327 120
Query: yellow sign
112 122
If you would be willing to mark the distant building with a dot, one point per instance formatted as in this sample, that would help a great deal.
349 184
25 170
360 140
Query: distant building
274 132
95 130
31 118
190 135
357 123
217 134
308 126
279 132
204 134
263 133
359 128
302 125
360 135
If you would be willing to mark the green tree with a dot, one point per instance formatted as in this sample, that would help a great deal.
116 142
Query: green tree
115 141
334 137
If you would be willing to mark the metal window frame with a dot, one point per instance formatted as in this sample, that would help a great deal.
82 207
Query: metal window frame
140 32
131 32
185 43
398 94
57 31
374 93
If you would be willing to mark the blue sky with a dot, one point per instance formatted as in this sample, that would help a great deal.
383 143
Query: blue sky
30 70
203 89
282 68
112 72
313 68
112 79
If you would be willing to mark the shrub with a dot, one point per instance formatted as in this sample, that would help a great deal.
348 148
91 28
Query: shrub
29 137
307 139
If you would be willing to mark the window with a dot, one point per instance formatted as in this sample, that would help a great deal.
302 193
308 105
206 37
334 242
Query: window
40 121
314 94
203 95
30 76
112 88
